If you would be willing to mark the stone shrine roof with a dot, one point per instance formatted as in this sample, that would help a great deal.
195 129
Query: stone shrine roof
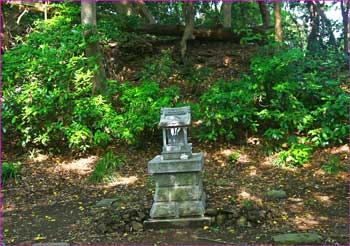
175 117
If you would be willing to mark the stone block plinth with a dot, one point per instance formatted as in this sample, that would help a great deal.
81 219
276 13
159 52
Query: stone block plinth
179 199
179 187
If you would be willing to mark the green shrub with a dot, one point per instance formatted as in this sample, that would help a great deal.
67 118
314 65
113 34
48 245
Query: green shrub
160 68
105 169
296 155
288 96
140 108
10 170
227 109
47 99
234 157
41 78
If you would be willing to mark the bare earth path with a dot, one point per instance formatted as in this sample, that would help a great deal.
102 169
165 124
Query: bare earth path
53 199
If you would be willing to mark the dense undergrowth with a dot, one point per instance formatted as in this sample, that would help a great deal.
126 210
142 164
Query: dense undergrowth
291 98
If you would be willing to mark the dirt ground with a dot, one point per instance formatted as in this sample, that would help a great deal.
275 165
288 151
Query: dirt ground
52 199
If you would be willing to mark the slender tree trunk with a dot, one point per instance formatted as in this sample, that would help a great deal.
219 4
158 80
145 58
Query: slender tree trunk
312 41
188 32
345 13
88 19
278 22
5 39
299 28
326 22
227 14
265 14
45 9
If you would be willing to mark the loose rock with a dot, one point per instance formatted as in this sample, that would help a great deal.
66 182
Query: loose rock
211 212
106 202
276 194
136 226
220 219
298 238
242 221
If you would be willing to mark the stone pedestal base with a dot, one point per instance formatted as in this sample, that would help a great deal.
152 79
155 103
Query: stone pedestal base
179 187
176 223
177 209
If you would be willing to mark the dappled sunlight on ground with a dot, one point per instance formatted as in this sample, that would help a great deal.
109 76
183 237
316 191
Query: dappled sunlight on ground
121 181
80 166
244 195
226 153
40 158
341 149
316 201
306 222
326 200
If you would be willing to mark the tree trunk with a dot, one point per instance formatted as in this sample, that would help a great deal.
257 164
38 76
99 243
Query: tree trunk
202 33
144 12
227 14
345 14
299 28
265 14
312 41
5 44
278 22
326 21
88 19
189 26
33 6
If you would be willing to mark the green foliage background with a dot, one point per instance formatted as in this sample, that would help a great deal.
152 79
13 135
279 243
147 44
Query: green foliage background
290 96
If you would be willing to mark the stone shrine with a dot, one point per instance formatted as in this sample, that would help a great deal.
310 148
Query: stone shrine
179 199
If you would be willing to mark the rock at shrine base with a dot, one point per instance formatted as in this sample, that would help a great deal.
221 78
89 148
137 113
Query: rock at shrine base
190 222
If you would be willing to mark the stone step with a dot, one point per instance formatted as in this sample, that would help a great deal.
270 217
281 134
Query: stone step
297 238
177 223
178 209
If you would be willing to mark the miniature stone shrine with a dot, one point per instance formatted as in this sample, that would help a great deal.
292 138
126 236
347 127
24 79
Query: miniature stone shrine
179 199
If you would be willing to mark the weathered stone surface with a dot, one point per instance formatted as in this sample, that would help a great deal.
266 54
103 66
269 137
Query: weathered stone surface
253 215
177 179
174 117
276 194
163 210
211 212
106 202
136 226
51 244
175 152
298 238
242 221
230 210
191 208
178 193
220 219
179 186
178 209
193 164
177 223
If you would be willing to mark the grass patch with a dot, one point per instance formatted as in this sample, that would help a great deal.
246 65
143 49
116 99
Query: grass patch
106 168
10 170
